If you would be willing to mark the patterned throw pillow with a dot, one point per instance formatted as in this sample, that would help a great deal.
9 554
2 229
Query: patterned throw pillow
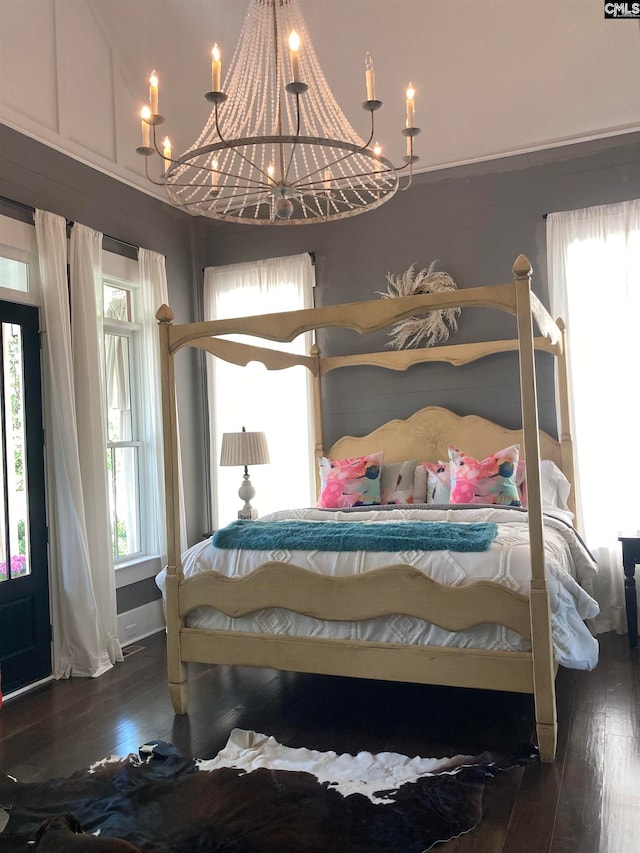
396 482
438 482
489 481
350 482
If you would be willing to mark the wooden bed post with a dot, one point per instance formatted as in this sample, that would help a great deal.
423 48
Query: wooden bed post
177 671
318 449
541 646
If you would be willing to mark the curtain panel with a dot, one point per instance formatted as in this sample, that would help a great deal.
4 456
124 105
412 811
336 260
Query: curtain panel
83 595
154 293
593 259
83 641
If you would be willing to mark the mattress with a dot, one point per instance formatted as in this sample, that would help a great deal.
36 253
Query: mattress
569 570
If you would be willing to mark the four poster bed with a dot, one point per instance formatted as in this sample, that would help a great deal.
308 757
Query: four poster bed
210 607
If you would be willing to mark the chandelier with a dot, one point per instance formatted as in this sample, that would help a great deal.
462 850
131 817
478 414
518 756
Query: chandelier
277 148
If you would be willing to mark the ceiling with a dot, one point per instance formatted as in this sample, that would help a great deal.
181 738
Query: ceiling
492 77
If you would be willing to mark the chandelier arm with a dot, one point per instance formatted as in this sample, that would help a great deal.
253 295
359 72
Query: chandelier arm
148 176
228 208
409 182
239 153
389 165
276 51
297 135
356 150
258 184
373 130
353 175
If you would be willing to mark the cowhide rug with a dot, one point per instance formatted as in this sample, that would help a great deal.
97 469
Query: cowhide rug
257 796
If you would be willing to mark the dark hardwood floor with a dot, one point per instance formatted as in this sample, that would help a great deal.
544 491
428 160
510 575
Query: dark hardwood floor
588 801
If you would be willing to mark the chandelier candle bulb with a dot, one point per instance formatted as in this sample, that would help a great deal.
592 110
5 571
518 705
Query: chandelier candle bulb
377 149
370 78
145 114
411 92
166 153
294 47
214 174
153 93
216 68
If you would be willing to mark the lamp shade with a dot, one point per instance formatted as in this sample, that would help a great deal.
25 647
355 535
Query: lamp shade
244 448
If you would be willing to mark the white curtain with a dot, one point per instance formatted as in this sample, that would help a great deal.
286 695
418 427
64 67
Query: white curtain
87 338
82 646
154 293
594 284
276 402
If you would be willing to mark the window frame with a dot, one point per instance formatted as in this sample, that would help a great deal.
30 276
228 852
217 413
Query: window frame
19 244
132 330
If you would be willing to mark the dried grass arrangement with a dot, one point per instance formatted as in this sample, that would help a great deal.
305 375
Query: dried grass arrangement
424 329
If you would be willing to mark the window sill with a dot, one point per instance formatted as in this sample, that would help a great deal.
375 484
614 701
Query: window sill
136 570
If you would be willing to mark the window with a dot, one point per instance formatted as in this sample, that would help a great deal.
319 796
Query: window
275 402
19 279
14 274
125 455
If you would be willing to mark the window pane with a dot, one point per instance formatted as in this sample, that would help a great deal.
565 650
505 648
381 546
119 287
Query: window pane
122 470
117 303
18 545
14 275
118 386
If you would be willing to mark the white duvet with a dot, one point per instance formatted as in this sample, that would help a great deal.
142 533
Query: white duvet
570 569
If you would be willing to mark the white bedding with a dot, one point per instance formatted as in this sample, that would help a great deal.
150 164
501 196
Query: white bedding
570 569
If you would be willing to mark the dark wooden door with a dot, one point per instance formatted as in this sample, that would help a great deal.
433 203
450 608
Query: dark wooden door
25 632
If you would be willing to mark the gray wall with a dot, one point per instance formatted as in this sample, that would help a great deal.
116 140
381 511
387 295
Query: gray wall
475 220
37 176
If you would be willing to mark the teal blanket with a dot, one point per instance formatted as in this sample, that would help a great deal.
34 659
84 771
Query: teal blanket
356 536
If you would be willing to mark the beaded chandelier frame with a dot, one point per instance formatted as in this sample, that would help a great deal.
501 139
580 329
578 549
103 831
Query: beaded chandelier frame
277 148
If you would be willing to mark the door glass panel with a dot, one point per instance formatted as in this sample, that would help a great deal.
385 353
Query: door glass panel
4 572
14 535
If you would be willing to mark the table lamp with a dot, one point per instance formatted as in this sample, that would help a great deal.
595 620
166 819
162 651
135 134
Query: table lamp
245 448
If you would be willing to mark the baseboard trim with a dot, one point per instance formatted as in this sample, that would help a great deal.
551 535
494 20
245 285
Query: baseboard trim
134 625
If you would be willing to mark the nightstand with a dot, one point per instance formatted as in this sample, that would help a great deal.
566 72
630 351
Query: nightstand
631 556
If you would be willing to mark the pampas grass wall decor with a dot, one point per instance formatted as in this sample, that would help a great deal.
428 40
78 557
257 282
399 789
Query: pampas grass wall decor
425 329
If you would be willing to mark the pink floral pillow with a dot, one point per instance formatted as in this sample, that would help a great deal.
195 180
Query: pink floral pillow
350 482
489 481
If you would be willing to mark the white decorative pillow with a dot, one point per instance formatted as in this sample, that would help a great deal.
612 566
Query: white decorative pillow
554 486
420 484
438 482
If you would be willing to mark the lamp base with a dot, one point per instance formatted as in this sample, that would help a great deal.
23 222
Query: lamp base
245 493
249 514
